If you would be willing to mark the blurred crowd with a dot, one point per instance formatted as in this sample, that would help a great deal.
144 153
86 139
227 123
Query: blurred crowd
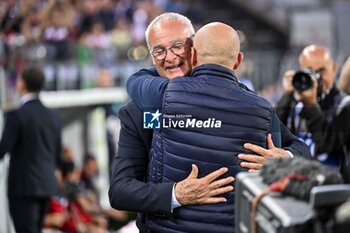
73 40
76 207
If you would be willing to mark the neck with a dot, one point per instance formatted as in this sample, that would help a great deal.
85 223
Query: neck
28 96
214 63
23 93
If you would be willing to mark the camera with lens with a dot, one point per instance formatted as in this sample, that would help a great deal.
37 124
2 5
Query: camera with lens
302 79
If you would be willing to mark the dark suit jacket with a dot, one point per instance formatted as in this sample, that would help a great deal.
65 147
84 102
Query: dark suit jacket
32 136
129 189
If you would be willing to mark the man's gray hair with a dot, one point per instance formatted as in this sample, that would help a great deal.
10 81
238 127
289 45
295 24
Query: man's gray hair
168 16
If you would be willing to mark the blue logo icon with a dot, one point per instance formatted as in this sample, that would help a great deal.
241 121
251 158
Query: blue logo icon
151 120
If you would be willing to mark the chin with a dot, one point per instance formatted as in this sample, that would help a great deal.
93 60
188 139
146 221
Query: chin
177 73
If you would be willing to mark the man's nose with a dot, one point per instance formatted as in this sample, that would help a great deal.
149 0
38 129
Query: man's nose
170 55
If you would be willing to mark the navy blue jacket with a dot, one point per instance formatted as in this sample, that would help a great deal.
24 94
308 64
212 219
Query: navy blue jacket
212 92
146 88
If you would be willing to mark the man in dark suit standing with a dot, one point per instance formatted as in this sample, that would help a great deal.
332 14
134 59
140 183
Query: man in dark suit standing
32 136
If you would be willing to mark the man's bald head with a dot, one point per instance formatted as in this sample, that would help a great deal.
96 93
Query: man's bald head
319 58
316 53
217 43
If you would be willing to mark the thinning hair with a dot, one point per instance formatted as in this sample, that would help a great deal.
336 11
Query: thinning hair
168 16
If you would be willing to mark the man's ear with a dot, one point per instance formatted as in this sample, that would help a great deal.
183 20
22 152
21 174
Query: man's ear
240 58
20 85
193 57
334 67
153 61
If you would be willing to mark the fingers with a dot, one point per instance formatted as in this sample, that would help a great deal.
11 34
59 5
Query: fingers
315 84
287 81
221 190
252 158
253 170
279 152
257 149
193 191
194 172
214 175
270 144
222 182
216 188
251 166
213 200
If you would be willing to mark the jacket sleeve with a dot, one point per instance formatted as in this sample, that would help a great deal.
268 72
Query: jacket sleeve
275 130
283 107
293 144
146 88
129 189
329 136
10 134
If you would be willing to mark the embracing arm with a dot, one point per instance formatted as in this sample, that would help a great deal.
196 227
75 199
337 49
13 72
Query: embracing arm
128 188
146 88
291 143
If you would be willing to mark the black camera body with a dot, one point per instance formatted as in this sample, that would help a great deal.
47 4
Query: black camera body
302 79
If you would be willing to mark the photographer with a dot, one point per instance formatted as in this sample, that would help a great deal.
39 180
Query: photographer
316 111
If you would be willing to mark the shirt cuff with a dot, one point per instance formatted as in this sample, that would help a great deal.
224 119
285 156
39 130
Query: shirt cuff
174 202
290 154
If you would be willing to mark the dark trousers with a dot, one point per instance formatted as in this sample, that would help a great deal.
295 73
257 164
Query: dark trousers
28 213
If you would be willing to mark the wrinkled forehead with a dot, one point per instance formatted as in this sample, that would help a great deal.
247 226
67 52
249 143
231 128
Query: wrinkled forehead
166 33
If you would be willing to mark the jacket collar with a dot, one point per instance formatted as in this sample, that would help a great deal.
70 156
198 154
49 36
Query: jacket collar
328 99
28 97
215 70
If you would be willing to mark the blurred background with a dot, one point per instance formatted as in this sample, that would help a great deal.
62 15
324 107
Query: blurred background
88 48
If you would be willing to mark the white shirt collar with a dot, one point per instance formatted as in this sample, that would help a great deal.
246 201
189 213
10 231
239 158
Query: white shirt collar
324 94
27 97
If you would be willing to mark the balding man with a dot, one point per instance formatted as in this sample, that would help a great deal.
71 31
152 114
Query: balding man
320 114
206 118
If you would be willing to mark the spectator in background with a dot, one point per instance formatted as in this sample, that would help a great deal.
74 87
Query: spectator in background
57 212
121 36
89 174
88 178
99 42
98 38
107 15
89 15
319 115
84 212
344 78
58 30
32 136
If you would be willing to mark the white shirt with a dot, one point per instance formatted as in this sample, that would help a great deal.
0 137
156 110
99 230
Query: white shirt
27 97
